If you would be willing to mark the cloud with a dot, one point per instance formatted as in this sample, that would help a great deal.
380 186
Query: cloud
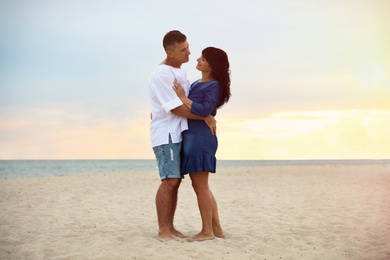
334 134
75 133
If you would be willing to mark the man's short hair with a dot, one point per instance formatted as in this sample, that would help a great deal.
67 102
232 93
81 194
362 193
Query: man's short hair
173 37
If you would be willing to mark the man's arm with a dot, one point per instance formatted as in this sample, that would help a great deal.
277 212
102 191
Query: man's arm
185 112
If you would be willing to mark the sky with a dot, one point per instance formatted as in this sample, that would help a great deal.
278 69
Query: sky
310 79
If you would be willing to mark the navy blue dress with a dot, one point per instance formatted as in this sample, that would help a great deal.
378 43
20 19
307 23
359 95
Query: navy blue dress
199 145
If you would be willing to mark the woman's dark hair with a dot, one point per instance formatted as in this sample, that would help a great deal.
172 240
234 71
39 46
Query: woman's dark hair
219 63
173 37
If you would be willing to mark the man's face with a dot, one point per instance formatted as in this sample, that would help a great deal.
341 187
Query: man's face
180 52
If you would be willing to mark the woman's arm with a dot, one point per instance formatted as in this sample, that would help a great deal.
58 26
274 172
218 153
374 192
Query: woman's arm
209 120
182 95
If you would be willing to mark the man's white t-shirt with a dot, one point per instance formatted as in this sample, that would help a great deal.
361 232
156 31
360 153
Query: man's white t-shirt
163 99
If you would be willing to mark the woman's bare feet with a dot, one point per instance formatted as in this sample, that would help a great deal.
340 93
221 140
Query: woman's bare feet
219 233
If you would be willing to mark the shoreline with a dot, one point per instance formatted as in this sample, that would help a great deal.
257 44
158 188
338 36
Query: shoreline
13 169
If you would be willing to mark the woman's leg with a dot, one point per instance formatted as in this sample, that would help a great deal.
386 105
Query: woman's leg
217 229
200 184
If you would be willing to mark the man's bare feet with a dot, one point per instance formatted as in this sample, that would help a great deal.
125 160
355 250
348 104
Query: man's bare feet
170 235
165 237
178 233
201 237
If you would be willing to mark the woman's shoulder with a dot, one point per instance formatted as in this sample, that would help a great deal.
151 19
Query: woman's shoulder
208 86
206 83
212 83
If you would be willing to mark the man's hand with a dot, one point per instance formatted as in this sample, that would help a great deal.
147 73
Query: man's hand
211 123
185 112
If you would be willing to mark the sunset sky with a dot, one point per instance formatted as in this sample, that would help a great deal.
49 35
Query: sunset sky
310 79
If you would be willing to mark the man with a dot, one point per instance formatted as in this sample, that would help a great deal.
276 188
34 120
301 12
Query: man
168 121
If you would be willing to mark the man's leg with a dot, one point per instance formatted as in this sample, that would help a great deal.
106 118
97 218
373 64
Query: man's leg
172 228
168 158
166 200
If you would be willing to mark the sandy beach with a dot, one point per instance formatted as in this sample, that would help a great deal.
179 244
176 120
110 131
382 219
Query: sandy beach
294 212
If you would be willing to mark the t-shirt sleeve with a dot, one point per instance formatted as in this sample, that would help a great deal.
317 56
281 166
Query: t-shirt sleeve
209 103
165 93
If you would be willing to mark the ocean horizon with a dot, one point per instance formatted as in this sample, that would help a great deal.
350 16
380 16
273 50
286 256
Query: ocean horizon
11 169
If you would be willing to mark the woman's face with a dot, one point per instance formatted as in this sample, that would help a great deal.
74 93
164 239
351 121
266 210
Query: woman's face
203 65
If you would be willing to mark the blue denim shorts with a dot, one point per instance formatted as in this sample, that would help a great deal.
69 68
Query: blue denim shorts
168 160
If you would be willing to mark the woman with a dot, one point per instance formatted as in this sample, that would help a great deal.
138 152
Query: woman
199 143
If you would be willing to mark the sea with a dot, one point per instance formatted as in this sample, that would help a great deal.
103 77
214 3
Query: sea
11 169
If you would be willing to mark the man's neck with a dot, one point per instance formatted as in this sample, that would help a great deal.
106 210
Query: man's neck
171 63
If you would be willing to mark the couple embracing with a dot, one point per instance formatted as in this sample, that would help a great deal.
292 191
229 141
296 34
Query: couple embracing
183 131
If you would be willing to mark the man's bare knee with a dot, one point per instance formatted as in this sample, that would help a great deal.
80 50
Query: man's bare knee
171 183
